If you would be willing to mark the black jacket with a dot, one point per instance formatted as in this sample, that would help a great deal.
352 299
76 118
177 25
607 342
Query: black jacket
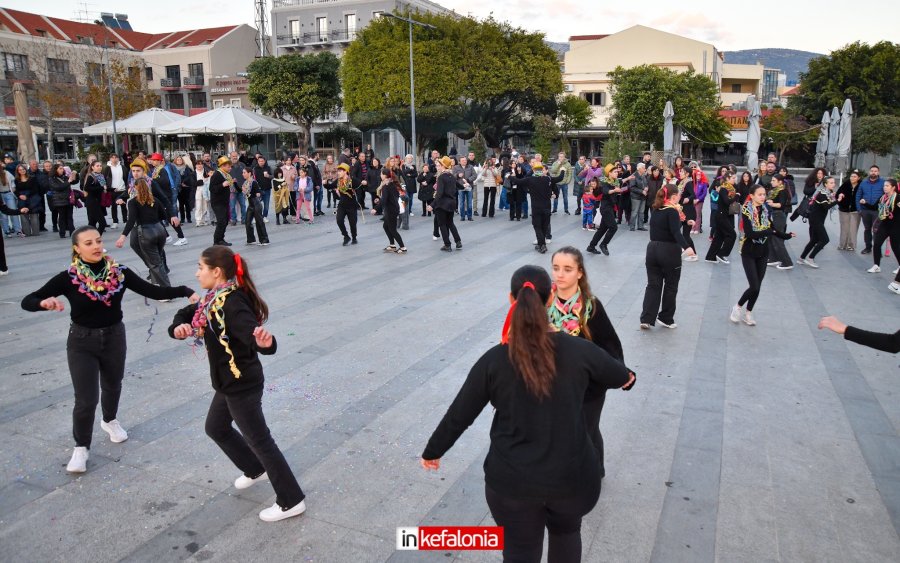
409 175
357 175
445 195
389 201
848 204
541 189
690 212
260 174
218 193
374 178
426 185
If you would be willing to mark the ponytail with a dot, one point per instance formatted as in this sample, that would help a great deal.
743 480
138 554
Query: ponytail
662 195
235 267
531 350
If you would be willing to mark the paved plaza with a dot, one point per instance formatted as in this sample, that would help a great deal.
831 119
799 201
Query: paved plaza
770 443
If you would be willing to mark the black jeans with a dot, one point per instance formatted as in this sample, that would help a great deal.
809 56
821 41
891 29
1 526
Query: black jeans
663 274
124 207
755 270
887 231
351 218
252 449
490 201
868 217
686 233
540 220
390 229
149 243
777 251
186 198
723 236
66 220
446 225
515 197
220 210
818 236
3 266
524 520
254 215
607 228
97 365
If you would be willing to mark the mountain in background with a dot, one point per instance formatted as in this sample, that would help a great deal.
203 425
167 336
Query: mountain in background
560 48
791 62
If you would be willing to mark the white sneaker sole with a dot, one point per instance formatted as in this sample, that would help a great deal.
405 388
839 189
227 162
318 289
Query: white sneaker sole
274 513
115 440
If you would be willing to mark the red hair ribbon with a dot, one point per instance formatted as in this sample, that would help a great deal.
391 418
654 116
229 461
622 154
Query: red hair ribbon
240 269
504 336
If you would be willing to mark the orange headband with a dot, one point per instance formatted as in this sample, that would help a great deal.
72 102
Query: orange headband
240 269
504 336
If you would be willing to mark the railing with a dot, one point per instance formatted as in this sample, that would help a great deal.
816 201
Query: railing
315 37
289 39
193 81
20 75
61 78
289 3
170 83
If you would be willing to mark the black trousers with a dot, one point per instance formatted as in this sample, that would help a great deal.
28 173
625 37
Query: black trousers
593 408
254 215
755 270
351 218
149 243
818 236
777 251
446 225
887 231
123 207
97 219
540 220
624 205
186 198
686 232
515 197
66 220
487 207
723 236
663 274
97 365
390 229
607 227
524 520
3 266
252 449
868 217
220 210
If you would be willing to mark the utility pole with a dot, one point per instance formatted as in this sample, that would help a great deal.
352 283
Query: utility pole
112 104
412 78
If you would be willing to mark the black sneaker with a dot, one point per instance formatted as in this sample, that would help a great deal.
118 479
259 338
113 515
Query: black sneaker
353 241
223 243
446 248
604 250
866 251
593 250
346 241
458 245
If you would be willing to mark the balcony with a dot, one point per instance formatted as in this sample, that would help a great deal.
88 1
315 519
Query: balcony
289 40
343 36
20 75
193 82
169 83
316 39
61 78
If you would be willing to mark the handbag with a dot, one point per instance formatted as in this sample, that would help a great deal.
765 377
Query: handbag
734 208
106 199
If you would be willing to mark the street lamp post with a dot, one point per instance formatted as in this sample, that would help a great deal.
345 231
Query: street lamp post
412 78
112 105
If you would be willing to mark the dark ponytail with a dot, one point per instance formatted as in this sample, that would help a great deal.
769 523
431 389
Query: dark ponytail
224 258
531 349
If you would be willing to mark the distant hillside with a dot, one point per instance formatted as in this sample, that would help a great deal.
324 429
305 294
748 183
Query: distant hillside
560 48
791 62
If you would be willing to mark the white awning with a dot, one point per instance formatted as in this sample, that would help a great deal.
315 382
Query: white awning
738 136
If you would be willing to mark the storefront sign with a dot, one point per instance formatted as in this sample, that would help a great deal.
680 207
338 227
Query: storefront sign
737 118
229 86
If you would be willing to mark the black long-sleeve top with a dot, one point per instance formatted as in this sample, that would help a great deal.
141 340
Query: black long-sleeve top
389 201
725 200
426 186
260 174
445 195
688 198
240 322
889 343
665 226
820 205
783 198
94 314
93 190
757 243
848 204
218 192
143 215
608 201
538 448
541 189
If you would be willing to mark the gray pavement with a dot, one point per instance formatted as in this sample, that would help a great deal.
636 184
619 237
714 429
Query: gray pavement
769 443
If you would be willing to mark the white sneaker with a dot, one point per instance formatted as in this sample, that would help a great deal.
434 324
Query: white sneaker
244 482
876 269
265 219
645 326
780 267
275 513
116 433
895 271
78 463
722 260
748 319
534 242
895 287
811 263
673 325
180 242
4 272
735 314
168 239
435 238
115 226
693 258
773 264
801 260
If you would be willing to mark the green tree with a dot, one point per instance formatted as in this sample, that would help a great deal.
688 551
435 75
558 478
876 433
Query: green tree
639 96
545 133
787 130
574 113
477 146
130 91
618 146
299 87
491 94
867 74
876 133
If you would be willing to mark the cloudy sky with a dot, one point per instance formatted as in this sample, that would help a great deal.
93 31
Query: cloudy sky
789 24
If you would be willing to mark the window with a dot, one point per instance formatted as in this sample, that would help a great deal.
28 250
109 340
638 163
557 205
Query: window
218 104
376 15
134 74
195 70
350 25
57 66
595 98
197 100
175 101
322 28
95 72
173 72
735 88
14 62
294 26
234 102
148 73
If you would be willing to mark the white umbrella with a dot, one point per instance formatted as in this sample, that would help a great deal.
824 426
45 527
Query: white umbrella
147 122
753 134
228 120
822 143
669 133
844 137
833 132
102 128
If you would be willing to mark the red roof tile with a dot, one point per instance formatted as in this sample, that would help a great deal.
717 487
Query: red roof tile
586 37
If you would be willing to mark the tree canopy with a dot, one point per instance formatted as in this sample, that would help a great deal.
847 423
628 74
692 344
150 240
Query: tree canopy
786 130
574 112
299 87
876 133
462 85
639 96
867 74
